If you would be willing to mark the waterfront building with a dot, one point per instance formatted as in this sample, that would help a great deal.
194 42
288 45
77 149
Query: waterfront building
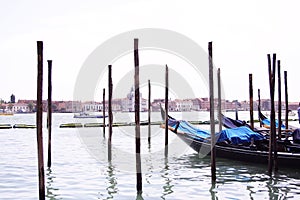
127 104
68 106
19 108
91 106
180 105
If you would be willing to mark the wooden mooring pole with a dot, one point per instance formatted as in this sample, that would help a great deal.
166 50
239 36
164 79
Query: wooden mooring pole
103 111
271 68
49 121
279 100
286 101
212 116
274 117
236 110
279 117
137 117
110 115
219 101
149 112
166 109
251 101
39 121
270 156
259 110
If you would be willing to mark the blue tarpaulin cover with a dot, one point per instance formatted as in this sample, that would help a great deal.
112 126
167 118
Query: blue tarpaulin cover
231 123
189 129
268 123
237 135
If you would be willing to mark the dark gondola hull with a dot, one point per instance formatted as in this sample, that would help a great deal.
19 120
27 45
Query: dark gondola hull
244 154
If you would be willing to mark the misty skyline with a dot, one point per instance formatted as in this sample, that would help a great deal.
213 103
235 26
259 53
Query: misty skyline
243 33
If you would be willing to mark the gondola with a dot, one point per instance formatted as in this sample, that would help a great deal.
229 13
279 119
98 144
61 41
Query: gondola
266 122
240 143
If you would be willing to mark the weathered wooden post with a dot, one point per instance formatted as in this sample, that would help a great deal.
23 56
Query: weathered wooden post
274 117
236 110
137 118
219 101
166 109
272 140
279 117
49 122
286 101
212 116
259 108
110 115
270 156
251 101
103 112
270 160
39 121
149 112
279 101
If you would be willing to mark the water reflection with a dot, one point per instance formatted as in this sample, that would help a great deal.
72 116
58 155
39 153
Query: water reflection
280 187
235 180
51 191
149 164
213 191
139 197
167 188
256 180
112 188
273 191
183 177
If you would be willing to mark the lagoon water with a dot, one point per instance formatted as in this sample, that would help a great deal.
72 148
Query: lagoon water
80 169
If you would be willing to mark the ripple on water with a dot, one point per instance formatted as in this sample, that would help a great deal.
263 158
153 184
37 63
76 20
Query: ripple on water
76 174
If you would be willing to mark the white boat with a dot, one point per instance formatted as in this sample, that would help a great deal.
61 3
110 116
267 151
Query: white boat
88 115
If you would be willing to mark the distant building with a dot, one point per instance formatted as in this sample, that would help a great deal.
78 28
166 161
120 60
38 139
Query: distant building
293 105
116 105
265 104
204 103
232 105
196 104
68 106
180 105
155 106
127 104
92 106
12 99
20 108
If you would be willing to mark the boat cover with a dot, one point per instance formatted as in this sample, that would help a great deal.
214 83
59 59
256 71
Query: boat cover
189 129
267 121
296 136
237 135
231 123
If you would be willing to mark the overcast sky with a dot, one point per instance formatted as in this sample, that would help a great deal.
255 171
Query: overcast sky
242 32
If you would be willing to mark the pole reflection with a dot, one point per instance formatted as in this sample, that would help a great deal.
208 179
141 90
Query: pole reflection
167 188
51 191
213 191
112 188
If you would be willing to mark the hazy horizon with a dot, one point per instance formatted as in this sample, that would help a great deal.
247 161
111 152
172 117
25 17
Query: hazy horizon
242 32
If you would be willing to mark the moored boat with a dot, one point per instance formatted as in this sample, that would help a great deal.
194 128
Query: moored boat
88 115
243 153
239 143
